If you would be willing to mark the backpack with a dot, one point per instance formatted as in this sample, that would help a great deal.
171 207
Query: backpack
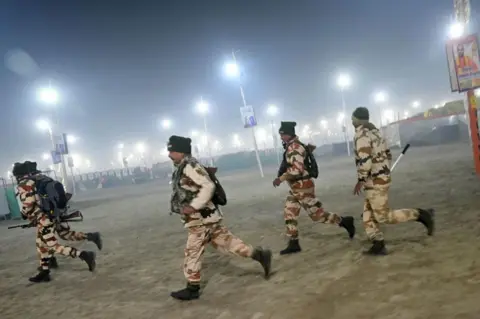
52 195
309 162
219 197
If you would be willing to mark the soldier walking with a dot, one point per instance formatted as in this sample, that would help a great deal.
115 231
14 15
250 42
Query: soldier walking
373 158
193 198
302 189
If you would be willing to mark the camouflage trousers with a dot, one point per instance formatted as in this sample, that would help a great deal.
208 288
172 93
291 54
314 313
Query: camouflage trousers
376 211
47 243
220 238
297 199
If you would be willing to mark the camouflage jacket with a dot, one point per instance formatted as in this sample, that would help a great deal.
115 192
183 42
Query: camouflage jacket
296 174
192 186
31 208
372 156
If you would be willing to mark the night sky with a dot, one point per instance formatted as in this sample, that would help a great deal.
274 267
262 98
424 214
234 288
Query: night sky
121 66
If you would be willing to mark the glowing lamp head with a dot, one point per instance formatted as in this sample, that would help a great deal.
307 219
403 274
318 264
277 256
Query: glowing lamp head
232 69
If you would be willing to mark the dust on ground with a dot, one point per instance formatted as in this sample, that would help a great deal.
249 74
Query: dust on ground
141 263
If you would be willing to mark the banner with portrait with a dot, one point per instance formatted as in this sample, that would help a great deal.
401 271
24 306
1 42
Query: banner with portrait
463 63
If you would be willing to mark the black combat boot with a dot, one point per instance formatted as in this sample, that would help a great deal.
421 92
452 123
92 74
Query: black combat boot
377 249
191 292
264 257
89 258
347 222
96 238
42 276
426 218
293 247
52 264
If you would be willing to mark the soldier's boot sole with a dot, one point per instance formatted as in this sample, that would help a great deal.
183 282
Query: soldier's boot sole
348 222
191 292
42 276
377 249
264 257
89 258
96 238
426 217
292 248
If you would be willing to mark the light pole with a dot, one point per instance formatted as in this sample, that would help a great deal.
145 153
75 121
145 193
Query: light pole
72 139
49 96
344 81
272 111
141 148
202 108
380 99
44 125
166 125
232 70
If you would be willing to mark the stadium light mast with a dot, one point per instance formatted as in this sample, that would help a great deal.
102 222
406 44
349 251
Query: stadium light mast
233 70
344 81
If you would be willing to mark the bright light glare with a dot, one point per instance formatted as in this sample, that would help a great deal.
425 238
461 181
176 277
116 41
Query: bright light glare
236 140
415 104
324 124
194 133
216 145
166 124
43 125
232 69
45 156
381 97
436 106
141 147
121 146
261 135
340 117
48 95
202 107
77 160
388 116
165 152
344 81
71 139
456 30
405 114
204 139
272 110
88 163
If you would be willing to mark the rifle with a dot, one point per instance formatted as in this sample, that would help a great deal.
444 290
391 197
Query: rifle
65 218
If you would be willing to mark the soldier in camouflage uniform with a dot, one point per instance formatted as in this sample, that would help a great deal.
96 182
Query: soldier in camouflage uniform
193 190
373 160
46 241
62 228
302 190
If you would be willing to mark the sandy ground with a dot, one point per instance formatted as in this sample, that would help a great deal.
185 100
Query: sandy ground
141 263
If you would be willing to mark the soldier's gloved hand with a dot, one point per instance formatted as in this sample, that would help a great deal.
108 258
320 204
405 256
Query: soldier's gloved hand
276 182
187 210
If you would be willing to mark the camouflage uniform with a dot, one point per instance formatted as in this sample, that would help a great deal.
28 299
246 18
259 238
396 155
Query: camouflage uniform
46 240
373 160
204 226
302 194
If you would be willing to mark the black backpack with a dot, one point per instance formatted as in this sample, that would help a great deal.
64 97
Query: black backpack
309 162
52 194
219 197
